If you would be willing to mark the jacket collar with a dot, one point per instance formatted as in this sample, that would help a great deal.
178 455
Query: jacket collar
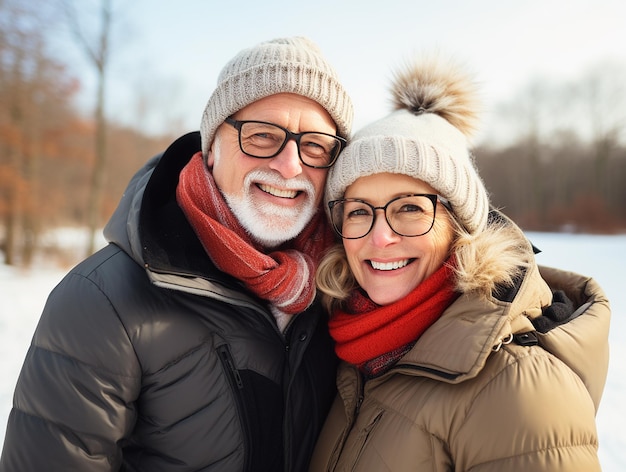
456 347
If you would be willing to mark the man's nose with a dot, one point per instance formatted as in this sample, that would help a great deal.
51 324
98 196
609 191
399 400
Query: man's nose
287 162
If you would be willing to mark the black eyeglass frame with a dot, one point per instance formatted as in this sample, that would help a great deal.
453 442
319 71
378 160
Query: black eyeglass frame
289 135
432 197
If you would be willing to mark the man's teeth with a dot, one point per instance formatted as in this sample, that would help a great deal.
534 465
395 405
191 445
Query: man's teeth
389 265
278 192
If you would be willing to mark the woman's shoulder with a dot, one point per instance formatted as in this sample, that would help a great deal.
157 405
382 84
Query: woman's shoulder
527 407
575 328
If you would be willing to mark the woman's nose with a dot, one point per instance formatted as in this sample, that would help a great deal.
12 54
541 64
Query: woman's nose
381 234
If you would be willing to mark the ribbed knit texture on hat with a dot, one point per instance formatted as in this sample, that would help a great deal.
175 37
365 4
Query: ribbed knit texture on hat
285 65
423 145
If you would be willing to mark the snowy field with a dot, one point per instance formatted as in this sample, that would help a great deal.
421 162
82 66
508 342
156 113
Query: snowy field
23 294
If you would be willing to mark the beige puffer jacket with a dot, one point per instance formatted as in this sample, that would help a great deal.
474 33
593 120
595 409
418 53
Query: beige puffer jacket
469 398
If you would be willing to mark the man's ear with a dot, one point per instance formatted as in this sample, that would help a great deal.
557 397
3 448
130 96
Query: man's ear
210 157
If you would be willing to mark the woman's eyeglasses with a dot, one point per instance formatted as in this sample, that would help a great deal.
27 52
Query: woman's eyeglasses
407 215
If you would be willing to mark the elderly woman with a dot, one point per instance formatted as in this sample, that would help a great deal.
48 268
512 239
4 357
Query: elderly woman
459 352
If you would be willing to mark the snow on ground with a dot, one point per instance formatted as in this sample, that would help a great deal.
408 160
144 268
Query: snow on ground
23 294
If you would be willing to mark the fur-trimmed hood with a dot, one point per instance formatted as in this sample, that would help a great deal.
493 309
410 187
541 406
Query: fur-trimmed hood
493 258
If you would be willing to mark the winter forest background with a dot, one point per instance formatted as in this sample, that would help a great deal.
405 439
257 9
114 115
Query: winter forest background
552 154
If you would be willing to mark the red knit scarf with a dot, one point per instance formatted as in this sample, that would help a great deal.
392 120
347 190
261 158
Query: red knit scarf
285 278
367 331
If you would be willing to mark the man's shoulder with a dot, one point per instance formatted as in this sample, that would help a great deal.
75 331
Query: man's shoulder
107 275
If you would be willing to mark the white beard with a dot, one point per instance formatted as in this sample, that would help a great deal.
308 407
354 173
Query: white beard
268 224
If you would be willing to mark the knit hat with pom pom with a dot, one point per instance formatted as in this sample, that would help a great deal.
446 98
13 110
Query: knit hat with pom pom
427 137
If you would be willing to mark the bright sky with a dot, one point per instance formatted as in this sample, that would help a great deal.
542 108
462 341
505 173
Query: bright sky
168 54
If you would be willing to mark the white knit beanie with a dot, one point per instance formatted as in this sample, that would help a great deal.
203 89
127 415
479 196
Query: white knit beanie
426 138
285 65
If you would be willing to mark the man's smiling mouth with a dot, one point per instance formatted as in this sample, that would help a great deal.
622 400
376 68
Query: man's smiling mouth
282 193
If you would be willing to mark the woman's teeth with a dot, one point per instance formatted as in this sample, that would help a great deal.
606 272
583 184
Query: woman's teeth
389 265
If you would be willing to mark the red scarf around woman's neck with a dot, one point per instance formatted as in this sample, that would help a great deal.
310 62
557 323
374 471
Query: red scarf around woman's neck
284 278
366 331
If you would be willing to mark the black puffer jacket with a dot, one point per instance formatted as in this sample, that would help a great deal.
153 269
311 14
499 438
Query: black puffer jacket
147 358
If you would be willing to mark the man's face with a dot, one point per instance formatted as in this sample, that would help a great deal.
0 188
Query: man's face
273 198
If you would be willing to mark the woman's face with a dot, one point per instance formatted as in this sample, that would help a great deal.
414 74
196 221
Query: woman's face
386 265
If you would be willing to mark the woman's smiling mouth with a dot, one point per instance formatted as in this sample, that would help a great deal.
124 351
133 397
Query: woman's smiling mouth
390 265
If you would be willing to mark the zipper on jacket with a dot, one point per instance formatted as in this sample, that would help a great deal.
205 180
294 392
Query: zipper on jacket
229 367
360 386
351 414
236 383
438 373
294 350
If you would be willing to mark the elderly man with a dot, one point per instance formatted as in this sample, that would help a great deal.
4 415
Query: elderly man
193 341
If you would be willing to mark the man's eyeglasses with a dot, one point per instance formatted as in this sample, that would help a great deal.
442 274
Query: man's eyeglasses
264 140
407 215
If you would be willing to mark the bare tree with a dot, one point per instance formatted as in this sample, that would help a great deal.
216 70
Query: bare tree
97 51
28 80
11 125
